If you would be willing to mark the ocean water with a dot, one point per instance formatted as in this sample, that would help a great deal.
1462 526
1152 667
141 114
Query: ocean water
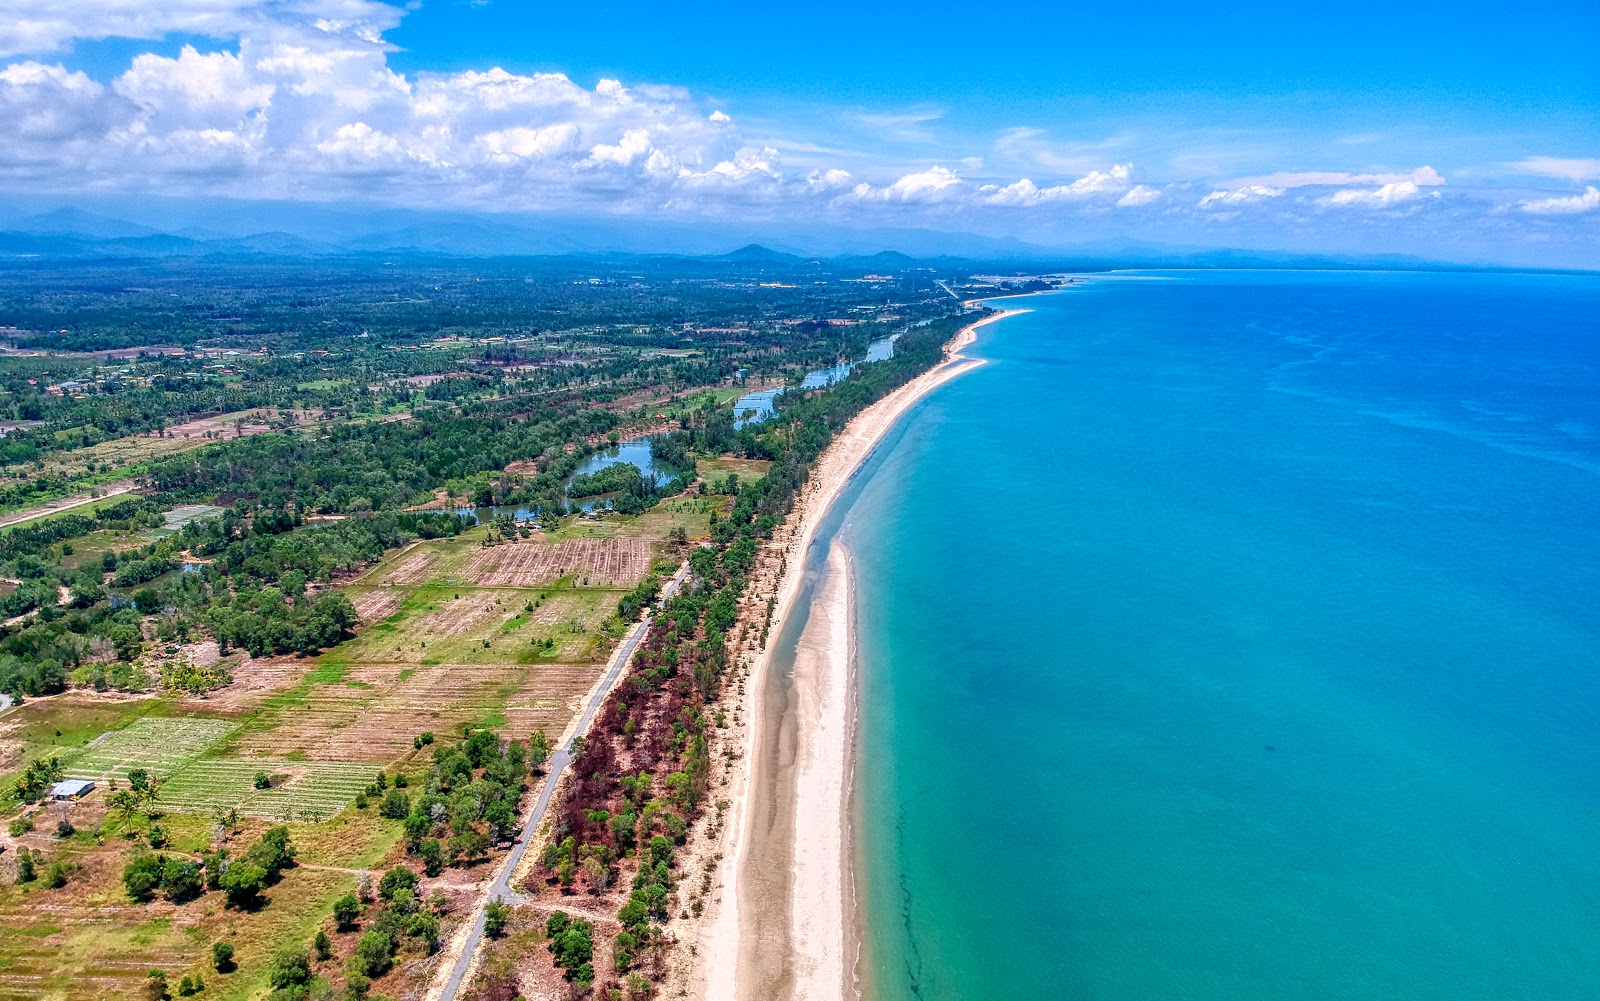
1236 636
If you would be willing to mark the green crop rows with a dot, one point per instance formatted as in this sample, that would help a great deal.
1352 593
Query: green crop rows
160 746
171 749
301 790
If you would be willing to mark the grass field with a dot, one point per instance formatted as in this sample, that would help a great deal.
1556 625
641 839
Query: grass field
87 942
749 470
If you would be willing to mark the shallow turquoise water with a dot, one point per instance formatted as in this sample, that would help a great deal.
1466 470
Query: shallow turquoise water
1236 636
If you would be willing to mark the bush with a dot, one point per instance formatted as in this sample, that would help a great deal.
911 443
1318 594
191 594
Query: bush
290 968
572 946
346 911
374 954
64 829
494 918
395 805
222 957
20 826
397 878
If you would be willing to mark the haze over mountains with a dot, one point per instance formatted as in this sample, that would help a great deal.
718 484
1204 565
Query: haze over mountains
291 230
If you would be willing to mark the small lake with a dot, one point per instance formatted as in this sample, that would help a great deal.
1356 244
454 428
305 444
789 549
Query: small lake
634 450
758 406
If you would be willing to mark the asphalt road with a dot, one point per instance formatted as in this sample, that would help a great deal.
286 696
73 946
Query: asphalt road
501 889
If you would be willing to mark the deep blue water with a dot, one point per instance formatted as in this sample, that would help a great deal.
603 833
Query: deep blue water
1237 636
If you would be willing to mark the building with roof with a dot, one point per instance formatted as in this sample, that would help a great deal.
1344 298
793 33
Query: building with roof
71 789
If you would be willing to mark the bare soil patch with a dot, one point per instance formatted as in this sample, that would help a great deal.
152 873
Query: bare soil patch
254 679
464 615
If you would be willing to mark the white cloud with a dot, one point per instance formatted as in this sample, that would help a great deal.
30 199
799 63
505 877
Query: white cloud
1025 193
1554 166
907 126
1422 177
1138 195
298 100
1238 196
936 184
1571 205
1393 193
32 26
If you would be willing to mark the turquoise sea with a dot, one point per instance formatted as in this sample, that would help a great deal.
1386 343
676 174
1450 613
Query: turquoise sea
1236 636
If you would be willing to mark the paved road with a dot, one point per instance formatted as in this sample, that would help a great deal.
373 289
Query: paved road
501 889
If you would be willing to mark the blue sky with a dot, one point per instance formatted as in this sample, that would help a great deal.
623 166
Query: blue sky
1465 132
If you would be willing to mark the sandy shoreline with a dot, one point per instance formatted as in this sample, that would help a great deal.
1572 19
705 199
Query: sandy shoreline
784 922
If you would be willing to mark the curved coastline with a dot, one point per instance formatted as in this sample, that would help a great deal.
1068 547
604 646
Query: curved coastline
786 865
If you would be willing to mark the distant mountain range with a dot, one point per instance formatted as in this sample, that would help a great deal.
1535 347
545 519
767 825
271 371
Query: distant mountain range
76 234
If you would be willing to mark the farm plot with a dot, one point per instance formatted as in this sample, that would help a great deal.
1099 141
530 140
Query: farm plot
160 746
375 605
414 568
622 562
301 790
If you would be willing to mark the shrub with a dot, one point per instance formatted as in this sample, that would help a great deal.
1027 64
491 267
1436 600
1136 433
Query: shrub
346 911
395 805
494 918
374 954
290 968
397 878
222 957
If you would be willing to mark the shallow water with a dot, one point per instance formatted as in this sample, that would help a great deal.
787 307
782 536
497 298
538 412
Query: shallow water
1235 636
758 406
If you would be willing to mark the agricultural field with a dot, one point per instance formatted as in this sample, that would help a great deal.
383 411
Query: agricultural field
300 790
158 745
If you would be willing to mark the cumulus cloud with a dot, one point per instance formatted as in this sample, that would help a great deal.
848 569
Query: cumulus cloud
1238 196
1393 193
1025 193
1571 205
936 184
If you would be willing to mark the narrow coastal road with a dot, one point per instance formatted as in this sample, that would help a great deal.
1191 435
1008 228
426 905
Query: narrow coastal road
501 888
